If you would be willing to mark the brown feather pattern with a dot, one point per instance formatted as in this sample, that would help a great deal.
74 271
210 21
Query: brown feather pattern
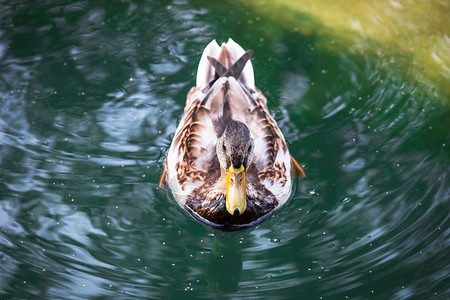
200 182
186 138
274 142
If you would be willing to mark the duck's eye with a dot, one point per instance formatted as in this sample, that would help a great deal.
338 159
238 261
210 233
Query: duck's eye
249 148
224 148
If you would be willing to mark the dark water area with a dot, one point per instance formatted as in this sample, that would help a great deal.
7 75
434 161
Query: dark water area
90 97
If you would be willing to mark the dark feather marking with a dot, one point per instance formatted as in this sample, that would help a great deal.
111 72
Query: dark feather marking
276 171
238 66
221 70
234 71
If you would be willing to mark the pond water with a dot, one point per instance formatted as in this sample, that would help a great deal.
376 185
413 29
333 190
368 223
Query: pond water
90 97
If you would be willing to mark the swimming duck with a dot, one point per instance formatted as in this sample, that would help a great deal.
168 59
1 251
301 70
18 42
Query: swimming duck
228 164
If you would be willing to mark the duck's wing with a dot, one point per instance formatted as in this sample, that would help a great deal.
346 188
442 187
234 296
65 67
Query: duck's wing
191 159
271 161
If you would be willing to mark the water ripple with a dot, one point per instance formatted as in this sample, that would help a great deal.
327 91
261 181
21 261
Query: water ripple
90 97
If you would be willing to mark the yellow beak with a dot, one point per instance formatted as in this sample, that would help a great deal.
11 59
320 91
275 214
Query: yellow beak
236 199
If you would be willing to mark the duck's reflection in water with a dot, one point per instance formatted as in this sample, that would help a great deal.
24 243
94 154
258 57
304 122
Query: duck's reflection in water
224 266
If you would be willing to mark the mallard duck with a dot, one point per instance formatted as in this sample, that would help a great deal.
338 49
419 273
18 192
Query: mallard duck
228 164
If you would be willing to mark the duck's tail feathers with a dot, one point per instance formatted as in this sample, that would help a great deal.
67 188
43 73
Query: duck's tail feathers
228 60
235 70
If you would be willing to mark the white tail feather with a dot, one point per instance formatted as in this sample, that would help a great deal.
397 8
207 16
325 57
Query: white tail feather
205 71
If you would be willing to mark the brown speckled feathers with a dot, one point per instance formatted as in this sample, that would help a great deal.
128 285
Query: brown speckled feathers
225 92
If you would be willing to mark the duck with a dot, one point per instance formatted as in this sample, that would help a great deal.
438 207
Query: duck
228 164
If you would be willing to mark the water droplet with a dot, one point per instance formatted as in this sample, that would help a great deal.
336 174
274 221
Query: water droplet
312 192
346 200
275 241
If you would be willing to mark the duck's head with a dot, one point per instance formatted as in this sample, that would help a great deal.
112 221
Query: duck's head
235 151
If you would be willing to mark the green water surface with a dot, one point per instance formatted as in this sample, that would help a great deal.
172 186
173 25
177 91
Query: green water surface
91 93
